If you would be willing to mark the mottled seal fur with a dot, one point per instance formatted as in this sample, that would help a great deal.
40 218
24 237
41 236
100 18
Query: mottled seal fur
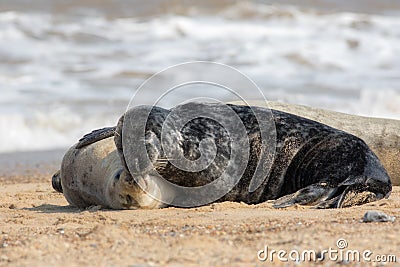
314 164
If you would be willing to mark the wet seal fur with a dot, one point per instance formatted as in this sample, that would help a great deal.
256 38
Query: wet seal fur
314 164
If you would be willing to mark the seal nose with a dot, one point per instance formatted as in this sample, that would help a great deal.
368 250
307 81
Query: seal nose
56 182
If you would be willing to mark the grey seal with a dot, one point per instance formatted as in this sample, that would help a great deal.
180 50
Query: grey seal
92 174
313 164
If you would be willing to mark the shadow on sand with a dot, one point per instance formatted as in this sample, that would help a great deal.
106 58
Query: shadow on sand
50 208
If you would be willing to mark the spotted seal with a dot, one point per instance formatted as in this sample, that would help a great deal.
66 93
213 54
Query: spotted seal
313 164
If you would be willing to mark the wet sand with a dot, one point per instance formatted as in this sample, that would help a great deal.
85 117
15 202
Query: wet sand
38 228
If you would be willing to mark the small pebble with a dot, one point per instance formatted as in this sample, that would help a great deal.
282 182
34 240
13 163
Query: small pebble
377 216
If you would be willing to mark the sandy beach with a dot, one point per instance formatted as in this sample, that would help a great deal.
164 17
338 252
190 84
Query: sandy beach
39 228
69 67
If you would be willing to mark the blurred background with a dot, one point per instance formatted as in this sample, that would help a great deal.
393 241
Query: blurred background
67 67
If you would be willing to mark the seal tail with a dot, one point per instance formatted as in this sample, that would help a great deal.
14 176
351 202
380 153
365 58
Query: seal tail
56 182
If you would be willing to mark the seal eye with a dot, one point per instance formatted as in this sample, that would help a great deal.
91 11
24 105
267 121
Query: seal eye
118 175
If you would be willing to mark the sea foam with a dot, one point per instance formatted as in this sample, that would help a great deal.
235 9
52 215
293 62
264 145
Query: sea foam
62 75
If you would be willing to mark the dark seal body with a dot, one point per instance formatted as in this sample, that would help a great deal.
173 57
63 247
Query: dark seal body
313 164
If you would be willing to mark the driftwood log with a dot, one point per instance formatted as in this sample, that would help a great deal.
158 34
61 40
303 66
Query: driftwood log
382 135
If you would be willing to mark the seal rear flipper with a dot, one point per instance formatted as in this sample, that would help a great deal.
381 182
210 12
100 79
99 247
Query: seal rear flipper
56 182
95 136
310 195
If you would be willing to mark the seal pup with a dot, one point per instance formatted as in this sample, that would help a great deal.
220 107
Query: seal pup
314 164
91 174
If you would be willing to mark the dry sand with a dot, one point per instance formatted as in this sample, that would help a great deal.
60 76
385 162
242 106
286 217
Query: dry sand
38 228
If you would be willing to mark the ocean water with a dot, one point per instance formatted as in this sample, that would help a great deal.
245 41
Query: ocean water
68 67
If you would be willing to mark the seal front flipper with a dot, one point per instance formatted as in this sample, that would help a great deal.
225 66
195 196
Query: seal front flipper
95 136
310 195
